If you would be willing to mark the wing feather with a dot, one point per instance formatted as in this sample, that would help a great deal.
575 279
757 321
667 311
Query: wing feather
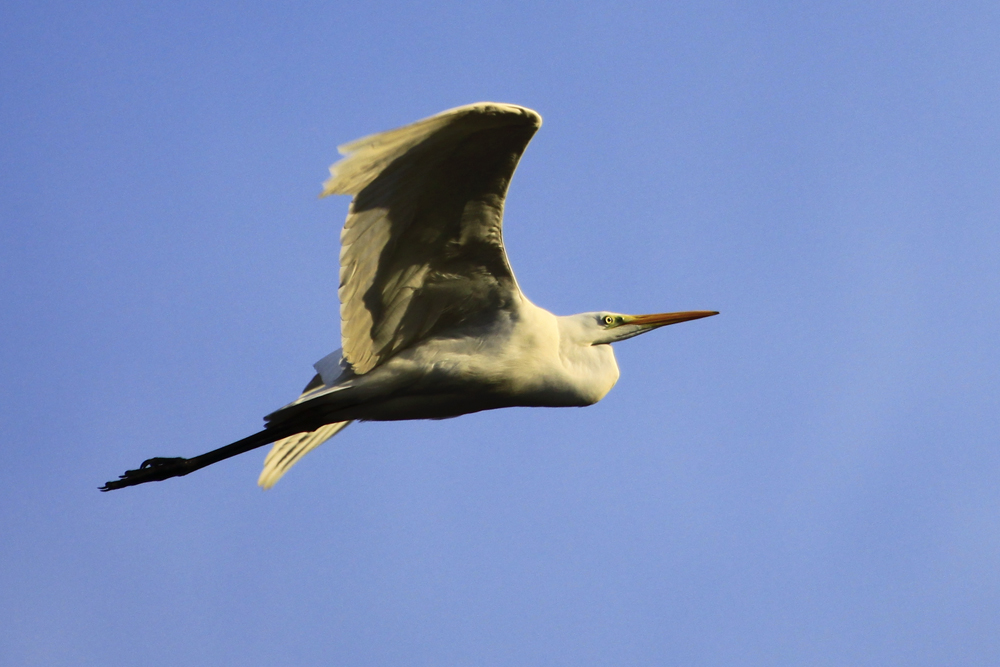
422 248
287 452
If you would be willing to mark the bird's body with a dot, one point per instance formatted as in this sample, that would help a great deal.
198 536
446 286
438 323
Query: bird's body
433 323
528 357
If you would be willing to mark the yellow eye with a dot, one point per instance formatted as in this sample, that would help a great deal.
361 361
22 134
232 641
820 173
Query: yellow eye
608 320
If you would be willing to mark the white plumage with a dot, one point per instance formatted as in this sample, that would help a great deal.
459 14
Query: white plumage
433 323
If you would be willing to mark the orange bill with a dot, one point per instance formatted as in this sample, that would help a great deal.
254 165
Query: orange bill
662 319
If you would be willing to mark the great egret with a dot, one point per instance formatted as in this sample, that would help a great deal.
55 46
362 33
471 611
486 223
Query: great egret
433 323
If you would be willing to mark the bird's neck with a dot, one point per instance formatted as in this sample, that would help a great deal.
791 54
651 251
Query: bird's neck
591 368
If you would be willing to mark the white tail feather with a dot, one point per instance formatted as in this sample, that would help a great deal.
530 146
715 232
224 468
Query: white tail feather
286 452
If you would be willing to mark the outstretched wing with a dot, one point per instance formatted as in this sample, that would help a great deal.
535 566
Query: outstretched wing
422 248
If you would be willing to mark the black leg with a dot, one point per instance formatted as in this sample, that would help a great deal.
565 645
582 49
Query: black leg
160 468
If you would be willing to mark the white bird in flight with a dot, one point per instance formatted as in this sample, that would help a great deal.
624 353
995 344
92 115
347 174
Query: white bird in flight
433 323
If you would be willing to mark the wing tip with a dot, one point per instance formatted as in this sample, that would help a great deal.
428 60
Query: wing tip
343 181
501 109
286 452
266 481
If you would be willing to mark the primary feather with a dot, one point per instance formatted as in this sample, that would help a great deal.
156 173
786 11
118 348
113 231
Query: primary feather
288 451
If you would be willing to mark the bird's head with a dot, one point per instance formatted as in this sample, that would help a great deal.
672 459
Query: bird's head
603 328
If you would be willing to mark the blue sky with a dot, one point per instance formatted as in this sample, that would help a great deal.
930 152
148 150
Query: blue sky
809 478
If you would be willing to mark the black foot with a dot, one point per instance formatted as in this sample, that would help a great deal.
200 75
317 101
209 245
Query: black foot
152 470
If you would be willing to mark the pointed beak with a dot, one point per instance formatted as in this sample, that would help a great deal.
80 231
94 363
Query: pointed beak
663 319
